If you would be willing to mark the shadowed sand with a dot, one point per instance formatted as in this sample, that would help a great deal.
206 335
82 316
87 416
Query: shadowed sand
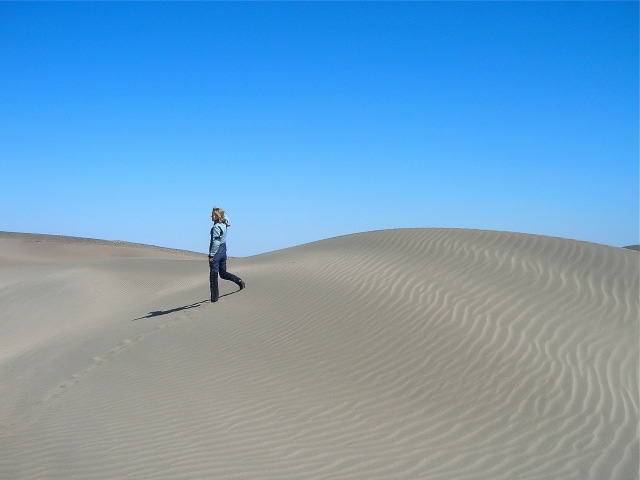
417 353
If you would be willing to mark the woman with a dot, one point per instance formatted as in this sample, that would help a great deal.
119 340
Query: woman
218 253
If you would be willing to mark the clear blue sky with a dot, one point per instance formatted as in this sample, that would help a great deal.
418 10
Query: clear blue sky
310 120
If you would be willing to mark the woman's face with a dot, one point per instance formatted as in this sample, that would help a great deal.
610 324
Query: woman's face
214 217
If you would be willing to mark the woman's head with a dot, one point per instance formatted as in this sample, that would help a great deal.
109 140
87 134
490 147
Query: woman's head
219 215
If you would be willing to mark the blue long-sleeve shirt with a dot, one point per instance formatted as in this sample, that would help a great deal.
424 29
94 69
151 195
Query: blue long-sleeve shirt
218 236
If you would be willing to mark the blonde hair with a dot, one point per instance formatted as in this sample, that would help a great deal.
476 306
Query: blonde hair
221 214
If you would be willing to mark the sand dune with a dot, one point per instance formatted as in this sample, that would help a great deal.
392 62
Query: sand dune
418 353
20 249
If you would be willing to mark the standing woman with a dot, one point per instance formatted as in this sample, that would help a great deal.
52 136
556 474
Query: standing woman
218 253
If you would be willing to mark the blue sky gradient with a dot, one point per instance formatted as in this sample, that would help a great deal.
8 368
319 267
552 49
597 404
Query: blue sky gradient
310 120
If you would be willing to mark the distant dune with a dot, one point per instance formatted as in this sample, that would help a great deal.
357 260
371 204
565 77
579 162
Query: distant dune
414 353
35 249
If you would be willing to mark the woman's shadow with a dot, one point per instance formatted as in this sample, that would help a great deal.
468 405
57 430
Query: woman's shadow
159 313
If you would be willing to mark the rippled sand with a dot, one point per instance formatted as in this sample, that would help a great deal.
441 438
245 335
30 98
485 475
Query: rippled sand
417 353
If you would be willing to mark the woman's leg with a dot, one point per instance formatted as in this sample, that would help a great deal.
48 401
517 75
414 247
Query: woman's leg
213 279
229 276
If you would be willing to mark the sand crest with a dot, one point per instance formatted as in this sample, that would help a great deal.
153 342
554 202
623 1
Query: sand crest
417 353
20 249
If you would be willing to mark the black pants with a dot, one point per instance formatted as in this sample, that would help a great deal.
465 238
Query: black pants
219 265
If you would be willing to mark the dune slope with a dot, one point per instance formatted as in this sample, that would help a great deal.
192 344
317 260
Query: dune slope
418 353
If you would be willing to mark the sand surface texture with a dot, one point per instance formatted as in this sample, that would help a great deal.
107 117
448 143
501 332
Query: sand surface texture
418 353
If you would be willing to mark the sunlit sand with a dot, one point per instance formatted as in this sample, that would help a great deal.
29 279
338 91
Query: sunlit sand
414 353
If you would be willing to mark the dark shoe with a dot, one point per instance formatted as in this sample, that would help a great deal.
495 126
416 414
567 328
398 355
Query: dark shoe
241 284
214 299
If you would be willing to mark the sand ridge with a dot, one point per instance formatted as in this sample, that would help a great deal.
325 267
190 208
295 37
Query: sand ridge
21 249
414 353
